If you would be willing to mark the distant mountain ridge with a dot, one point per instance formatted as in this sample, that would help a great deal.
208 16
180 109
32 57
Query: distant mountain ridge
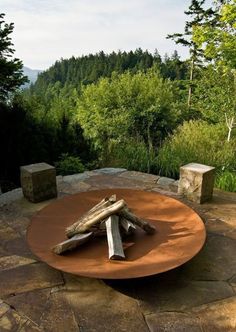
32 74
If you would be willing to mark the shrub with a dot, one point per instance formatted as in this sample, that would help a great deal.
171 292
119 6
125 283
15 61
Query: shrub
226 181
69 165
200 142
133 155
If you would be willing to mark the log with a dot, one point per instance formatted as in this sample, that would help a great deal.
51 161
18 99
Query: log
115 246
101 205
128 226
95 217
149 229
72 243
111 200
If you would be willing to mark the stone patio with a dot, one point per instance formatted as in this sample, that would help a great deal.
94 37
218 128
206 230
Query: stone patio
198 296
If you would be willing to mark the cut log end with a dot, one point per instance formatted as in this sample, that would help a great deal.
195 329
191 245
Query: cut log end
128 227
117 257
149 229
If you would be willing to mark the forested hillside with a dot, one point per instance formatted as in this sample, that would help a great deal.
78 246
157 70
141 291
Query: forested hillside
54 99
131 109
88 69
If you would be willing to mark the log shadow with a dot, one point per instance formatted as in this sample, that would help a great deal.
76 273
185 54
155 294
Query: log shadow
140 244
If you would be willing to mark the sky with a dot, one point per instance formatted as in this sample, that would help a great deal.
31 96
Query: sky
48 30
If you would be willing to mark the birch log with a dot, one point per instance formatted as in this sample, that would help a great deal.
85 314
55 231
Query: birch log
72 243
115 246
94 218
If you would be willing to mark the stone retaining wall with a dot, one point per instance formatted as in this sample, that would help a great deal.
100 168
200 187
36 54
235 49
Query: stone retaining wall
104 177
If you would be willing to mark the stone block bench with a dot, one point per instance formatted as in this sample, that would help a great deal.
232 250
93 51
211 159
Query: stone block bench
196 182
38 182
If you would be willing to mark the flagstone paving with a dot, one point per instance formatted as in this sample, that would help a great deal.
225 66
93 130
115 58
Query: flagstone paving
199 296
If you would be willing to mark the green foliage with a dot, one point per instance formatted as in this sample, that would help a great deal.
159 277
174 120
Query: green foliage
54 96
215 94
54 104
141 106
133 155
69 165
218 37
11 73
22 140
26 139
226 181
200 142
55 110
172 67
89 69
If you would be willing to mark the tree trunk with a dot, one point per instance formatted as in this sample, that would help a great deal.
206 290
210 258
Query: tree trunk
229 134
149 147
190 83
230 124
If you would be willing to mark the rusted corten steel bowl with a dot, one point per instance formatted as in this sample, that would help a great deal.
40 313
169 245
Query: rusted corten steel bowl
180 235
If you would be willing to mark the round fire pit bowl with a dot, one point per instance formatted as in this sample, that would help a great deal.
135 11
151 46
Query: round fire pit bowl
180 234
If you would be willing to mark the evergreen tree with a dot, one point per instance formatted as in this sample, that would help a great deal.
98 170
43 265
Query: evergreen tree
11 73
199 16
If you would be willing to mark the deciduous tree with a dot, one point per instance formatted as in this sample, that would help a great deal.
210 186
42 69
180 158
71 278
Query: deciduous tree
139 106
217 39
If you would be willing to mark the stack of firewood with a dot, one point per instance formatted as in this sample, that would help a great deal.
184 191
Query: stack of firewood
109 217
